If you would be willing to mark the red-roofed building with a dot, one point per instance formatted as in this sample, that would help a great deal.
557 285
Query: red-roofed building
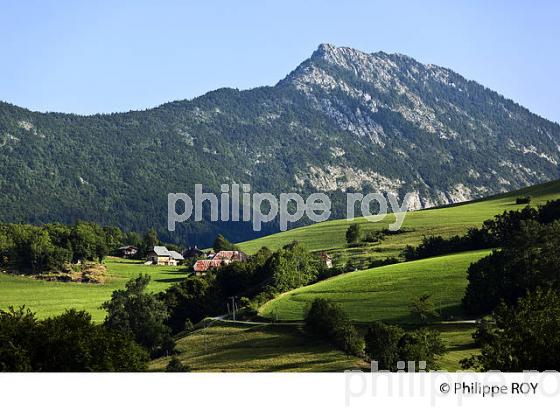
204 265
219 259
233 256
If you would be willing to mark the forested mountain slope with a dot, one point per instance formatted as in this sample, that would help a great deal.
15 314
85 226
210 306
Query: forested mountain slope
342 120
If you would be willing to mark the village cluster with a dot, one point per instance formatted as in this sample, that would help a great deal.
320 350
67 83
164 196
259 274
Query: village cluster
160 255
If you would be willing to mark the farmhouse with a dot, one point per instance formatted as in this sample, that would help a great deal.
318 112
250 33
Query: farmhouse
160 255
204 265
218 259
128 251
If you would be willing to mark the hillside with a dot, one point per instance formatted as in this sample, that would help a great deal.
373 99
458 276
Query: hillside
445 221
342 120
265 347
384 293
238 347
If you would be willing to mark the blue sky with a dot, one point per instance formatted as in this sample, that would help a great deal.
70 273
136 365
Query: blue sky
106 56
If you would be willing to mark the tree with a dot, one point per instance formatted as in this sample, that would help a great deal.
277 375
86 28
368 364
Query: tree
114 238
72 342
246 278
524 336
382 344
388 344
327 320
149 240
18 339
222 244
422 345
192 300
529 259
422 309
88 241
292 267
68 342
353 234
142 315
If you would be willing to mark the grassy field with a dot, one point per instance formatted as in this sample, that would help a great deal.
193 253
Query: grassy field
384 293
239 347
460 345
229 347
445 221
51 298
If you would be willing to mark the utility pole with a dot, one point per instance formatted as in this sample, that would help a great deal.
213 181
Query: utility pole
233 306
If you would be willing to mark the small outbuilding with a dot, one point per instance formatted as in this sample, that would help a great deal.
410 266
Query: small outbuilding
128 251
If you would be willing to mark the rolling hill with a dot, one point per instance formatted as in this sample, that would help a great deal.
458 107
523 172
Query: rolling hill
384 293
239 347
445 221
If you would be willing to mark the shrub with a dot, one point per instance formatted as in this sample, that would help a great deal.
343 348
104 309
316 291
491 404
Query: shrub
353 234
374 236
176 366
382 262
388 344
327 320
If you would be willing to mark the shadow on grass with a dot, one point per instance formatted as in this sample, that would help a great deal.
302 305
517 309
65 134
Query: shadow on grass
169 280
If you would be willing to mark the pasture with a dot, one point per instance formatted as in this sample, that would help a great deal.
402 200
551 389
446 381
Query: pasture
445 221
52 298
242 347
384 293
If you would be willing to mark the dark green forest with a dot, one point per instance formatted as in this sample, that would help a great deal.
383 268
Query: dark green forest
117 169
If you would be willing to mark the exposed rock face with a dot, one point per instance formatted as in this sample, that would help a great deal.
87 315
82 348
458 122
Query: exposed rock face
342 120
361 92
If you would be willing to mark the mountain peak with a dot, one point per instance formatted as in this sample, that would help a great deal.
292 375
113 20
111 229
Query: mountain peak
330 52
323 50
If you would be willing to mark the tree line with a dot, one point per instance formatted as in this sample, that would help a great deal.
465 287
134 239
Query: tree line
494 233
265 275
383 343
515 289
31 249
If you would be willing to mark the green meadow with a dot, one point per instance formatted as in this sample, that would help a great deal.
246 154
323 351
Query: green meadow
268 347
52 298
446 221
242 347
384 293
